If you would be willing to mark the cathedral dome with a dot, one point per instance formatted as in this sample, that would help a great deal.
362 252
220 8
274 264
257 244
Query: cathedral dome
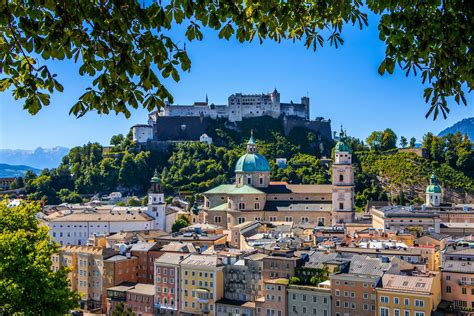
252 162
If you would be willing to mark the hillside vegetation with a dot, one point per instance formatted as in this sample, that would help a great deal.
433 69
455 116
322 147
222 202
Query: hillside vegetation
382 172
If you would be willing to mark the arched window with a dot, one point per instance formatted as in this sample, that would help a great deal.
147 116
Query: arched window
341 178
249 180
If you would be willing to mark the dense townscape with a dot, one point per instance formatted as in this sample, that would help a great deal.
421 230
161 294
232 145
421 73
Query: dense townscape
263 247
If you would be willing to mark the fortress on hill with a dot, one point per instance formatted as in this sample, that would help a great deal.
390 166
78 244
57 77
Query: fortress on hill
190 122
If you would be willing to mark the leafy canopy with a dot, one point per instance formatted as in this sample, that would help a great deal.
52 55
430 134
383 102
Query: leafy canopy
125 47
28 285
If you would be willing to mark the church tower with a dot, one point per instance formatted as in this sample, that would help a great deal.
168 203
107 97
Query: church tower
342 183
433 193
156 203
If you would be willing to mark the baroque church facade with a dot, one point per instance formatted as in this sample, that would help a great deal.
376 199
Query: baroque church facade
254 197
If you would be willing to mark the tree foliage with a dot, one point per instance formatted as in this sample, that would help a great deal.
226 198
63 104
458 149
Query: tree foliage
181 222
129 48
28 286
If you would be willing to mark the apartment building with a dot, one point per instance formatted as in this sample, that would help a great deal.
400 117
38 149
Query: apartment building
280 264
136 296
404 295
167 283
309 300
353 294
273 303
457 276
118 269
87 270
146 254
202 284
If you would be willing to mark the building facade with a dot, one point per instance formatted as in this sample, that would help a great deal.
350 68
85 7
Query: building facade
254 197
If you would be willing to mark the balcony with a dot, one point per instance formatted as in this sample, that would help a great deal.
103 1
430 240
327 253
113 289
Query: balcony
466 282
202 296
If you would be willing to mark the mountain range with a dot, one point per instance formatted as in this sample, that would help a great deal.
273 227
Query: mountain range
465 126
39 158
10 171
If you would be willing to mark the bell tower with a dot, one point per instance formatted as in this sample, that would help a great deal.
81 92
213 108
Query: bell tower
156 203
342 183
433 193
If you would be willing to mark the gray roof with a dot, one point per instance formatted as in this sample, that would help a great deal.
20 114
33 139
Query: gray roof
458 266
367 265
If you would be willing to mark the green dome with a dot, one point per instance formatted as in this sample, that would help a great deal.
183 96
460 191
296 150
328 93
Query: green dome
155 178
252 162
433 187
341 146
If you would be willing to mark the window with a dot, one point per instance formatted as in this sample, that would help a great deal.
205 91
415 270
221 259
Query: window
384 311
463 290
273 219
448 289
249 180
396 312
241 206
338 292
448 277
217 219
241 220
366 296
419 303
419 314
383 299
406 313
396 300
341 178
288 219
261 180
341 206
406 302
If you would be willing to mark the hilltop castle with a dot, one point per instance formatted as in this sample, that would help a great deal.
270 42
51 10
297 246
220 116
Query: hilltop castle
189 122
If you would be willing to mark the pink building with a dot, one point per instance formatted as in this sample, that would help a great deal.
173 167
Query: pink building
138 297
167 280
458 284
273 303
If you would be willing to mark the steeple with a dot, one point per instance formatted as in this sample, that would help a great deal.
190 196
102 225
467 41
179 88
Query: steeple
155 183
251 144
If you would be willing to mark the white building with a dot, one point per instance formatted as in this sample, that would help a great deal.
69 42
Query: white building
239 106
73 226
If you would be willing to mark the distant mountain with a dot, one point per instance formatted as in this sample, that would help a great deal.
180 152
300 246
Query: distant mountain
39 158
465 126
10 171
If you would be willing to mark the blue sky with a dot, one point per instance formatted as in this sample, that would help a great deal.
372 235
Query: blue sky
343 85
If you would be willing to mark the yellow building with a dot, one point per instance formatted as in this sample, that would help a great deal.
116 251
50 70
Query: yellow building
202 284
403 295
86 264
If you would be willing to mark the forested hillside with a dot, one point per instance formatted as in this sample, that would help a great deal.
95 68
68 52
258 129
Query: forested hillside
382 171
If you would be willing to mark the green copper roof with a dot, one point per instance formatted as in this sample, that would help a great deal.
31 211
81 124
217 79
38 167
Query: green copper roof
221 189
221 207
251 162
433 187
155 178
232 189
342 146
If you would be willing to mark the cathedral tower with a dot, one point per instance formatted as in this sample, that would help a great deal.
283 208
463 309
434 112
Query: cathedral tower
433 193
343 183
